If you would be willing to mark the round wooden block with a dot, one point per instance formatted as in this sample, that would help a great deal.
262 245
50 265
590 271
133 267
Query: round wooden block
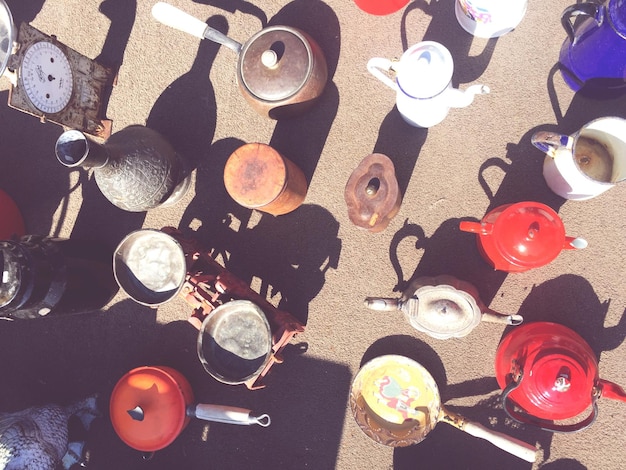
372 193
258 177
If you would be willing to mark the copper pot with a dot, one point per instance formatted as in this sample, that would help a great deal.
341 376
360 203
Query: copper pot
281 71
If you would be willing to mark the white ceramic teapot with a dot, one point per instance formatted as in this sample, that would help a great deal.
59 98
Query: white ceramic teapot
424 92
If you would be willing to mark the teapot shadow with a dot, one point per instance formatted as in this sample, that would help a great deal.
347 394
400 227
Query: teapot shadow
571 301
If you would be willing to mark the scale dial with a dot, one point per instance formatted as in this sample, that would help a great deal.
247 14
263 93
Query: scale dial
47 77
55 83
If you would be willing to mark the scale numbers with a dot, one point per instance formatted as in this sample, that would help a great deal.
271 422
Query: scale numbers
47 77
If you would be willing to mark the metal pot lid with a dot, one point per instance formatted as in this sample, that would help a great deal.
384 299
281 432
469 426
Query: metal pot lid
7 35
275 63
444 311
424 70
529 234
148 407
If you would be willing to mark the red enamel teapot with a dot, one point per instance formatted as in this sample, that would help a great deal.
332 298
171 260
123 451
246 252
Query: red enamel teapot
521 236
549 372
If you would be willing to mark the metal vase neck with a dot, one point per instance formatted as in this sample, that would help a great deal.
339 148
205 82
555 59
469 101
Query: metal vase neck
74 149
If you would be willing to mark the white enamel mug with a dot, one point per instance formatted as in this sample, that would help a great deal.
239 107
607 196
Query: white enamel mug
589 162
489 18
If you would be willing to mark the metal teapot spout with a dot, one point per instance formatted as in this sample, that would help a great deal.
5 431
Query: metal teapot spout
461 99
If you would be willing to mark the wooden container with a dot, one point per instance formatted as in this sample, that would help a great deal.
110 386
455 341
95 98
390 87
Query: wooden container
372 193
258 177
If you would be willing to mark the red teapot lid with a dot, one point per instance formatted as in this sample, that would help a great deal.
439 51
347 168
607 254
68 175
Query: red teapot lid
558 370
529 234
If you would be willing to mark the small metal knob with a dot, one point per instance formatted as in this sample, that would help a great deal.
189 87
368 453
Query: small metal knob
269 58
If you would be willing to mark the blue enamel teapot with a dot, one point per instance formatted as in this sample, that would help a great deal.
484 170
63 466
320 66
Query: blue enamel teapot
593 56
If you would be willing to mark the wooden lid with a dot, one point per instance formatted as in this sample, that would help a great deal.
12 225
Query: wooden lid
255 175
372 193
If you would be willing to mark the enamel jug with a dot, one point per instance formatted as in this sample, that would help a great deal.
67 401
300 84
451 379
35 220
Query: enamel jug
489 18
593 55
423 83
587 163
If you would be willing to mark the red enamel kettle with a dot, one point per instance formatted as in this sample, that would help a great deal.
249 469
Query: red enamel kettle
381 7
551 374
12 222
521 236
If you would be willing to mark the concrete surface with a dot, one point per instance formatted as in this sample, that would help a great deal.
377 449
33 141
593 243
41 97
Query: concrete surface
314 262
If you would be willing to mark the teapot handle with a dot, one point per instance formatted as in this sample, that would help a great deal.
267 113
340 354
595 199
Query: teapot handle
379 67
550 142
589 9
476 227
525 418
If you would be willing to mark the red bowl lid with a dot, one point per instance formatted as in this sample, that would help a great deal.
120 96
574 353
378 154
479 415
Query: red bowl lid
159 396
529 234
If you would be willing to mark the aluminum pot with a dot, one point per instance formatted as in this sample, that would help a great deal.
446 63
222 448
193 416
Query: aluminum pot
281 71
150 266
235 342
151 405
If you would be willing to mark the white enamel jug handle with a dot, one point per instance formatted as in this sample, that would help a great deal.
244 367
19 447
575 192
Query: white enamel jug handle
227 414
550 142
175 18
379 67
509 444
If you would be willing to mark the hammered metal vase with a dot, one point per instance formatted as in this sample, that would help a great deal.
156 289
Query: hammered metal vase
136 168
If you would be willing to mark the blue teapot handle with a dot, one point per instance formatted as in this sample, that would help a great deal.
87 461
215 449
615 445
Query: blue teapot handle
589 9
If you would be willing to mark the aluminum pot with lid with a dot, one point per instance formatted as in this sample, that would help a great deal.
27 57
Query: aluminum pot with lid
281 70
235 342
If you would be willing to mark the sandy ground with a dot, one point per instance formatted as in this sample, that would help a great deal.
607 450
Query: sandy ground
313 262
